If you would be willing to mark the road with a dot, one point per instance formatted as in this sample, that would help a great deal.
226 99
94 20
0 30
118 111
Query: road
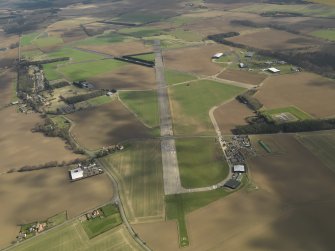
172 184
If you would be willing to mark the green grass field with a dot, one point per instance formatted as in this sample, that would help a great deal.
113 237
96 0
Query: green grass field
27 39
138 169
60 122
84 71
191 105
201 162
312 10
106 38
75 55
139 17
72 237
148 56
101 100
50 71
47 41
186 35
144 104
97 226
32 55
295 111
178 205
327 34
321 144
175 77
140 32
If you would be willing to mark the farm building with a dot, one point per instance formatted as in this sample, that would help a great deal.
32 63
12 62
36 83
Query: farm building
273 70
239 169
242 65
77 173
217 55
233 184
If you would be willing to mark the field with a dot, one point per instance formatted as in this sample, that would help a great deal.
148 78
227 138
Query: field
7 87
175 77
106 125
104 39
286 114
33 148
43 42
139 171
328 34
75 55
295 89
201 162
84 71
148 57
127 77
191 104
27 39
144 104
196 60
243 76
44 193
321 144
231 114
72 237
51 72
269 39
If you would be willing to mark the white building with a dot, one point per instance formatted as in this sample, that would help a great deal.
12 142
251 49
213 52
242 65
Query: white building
239 169
217 55
77 173
273 70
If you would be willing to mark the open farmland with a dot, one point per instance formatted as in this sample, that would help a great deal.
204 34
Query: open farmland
139 171
286 114
127 77
33 148
75 55
175 77
59 194
328 34
201 162
106 125
144 104
296 89
192 102
7 87
231 114
268 39
196 60
322 145
8 57
73 238
243 76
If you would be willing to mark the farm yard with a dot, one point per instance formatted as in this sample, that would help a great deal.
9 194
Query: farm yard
296 89
106 125
191 104
59 194
74 238
139 171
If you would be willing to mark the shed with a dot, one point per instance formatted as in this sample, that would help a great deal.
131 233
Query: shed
77 173
239 169
273 70
217 55
233 184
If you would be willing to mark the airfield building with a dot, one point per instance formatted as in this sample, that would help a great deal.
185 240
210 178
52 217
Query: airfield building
217 55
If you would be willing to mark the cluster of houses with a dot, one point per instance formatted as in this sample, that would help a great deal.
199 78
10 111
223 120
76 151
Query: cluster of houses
32 230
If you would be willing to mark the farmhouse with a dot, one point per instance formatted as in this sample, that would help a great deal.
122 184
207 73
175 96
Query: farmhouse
273 70
239 169
77 173
217 55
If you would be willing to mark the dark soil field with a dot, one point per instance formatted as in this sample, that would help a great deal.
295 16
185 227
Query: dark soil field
197 60
32 148
231 114
42 194
309 92
7 80
106 125
243 76
127 77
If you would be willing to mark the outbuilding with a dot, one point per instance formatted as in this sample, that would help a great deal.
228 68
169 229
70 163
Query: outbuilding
239 169
273 70
217 55
77 173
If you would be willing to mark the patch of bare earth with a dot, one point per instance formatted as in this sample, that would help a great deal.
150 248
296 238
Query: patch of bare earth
127 77
230 115
197 60
37 195
7 80
106 125
310 92
19 146
243 76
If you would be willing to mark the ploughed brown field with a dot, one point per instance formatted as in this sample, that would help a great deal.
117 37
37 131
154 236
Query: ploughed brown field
106 125
44 193
197 60
310 92
7 58
288 207
7 79
243 76
230 115
120 49
129 76
20 147
268 39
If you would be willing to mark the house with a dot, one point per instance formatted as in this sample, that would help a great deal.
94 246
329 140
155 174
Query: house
217 55
273 70
239 169
77 173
